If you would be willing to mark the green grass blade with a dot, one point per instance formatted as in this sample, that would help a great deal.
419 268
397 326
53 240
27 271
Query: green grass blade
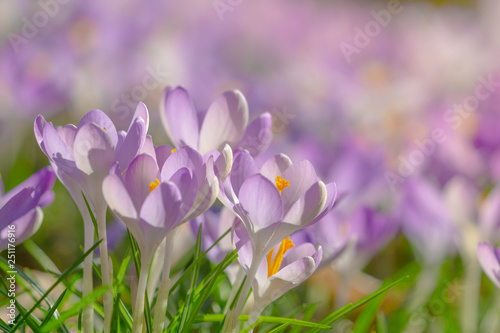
382 324
331 318
75 309
63 276
37 253
215 318
367 316
54 308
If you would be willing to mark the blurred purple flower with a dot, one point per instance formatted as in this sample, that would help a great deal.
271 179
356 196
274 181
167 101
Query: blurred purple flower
489 259
22 206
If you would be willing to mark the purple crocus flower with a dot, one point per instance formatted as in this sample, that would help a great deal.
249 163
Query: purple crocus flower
152 201
21 207
272 203
489 259
225 122
283 269
82 157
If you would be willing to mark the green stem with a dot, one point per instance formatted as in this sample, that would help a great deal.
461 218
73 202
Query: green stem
138 310
105 268
162 300
88 311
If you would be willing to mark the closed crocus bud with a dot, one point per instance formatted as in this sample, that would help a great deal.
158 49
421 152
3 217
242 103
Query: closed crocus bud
21 208
489 259
224 122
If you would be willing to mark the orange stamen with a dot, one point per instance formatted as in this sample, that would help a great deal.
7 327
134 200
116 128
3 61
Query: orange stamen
153 185
273 266
281 183
173 150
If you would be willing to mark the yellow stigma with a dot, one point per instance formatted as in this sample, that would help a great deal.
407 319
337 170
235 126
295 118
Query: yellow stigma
273 266
153 185
104 128
173 150
281 183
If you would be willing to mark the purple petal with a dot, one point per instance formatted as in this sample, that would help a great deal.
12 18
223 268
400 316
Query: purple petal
67 133
489 259
94 151
40 123
141 112
305 210
102 120
18 205
160 212
26 226
225 122
118 199
275 166
162 153
142 171
185 157
186 181
261 202
244 166
301 177
133 143
258 135
179 117
149 148
58 151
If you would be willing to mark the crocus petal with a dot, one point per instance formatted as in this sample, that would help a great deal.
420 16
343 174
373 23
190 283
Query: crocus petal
58 151
118 199
133 143
18 205
223 161
187 183
244 166
149 148
243 245
142 171
67 133
258 135
285 279
26 226
160 212
43 180
141 112
179 117
205 198
331 196
489 212
40 123
301 177
185 157
275 166
102 120
225 122
261 203
304 210
489 259
94 152
162 153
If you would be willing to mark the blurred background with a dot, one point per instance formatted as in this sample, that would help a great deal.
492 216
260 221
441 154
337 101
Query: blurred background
394 101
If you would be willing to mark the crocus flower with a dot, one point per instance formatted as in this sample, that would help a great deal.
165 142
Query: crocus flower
21 208
272 203
225 122
284 268
489 259
152 201
82 157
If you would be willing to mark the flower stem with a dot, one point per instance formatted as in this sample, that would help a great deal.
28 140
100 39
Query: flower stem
162 300
88 311
105 268
234 290
471 295
231 322
138 310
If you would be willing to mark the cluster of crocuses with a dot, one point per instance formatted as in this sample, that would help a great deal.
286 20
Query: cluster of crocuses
154 189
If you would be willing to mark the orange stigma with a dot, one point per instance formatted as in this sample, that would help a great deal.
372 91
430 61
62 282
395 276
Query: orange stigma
104 128
173 150
273 266
153 185
281 183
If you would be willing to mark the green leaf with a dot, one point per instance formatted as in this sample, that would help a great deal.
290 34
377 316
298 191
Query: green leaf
214 318
63 276
366 317
328 320
75 309
382 324
49 314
